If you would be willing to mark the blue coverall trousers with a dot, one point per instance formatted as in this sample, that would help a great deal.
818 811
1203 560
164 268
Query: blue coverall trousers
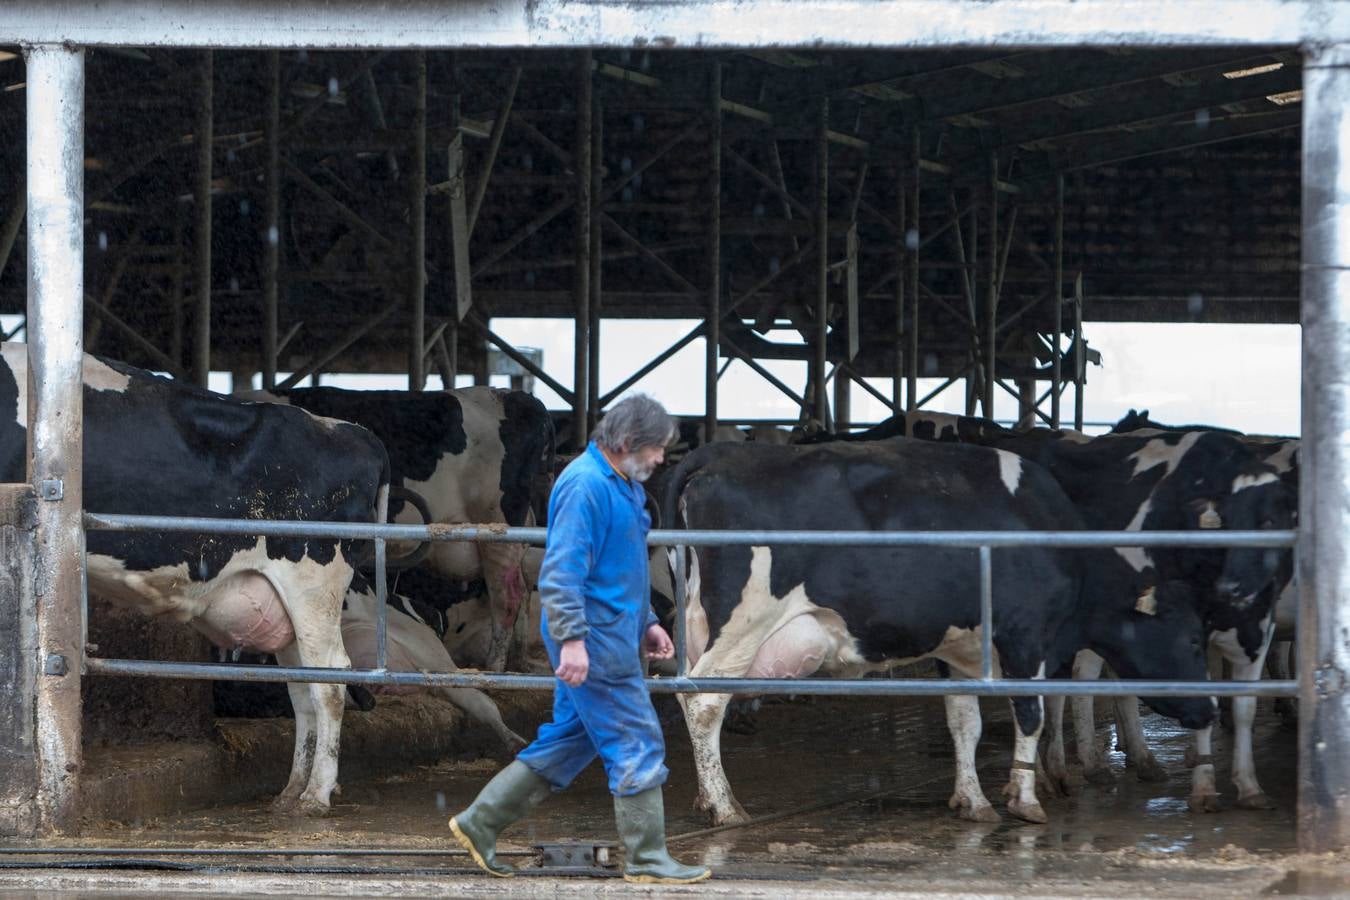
609 714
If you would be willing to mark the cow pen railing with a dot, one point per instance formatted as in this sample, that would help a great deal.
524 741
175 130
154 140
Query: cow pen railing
985 542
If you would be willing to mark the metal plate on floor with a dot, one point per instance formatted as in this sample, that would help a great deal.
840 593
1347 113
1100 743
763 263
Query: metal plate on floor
577 858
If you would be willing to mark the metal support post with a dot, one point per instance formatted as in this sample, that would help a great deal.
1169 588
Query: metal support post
204 135
713 327
582 235
1324 514
822 213
1057 298
991 294
1079 358
272 216
55 146
912 243
593 406
417 244
901 259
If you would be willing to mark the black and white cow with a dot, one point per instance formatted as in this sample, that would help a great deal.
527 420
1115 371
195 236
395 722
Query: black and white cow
1175 480
919 423
156 446
1243 634
792 611
414 643
477 456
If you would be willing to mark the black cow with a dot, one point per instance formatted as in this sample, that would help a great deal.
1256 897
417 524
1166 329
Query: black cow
787 611
919 423
1176 480
156 446
477 455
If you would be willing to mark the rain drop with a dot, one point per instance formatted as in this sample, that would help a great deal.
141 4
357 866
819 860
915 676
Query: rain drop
272 235
1202 118
627 195
529 279
333 86
930 364
912 239
234 285
229 154
244 207
527 162
440 801
302 56
626 165
1195 304
774 265
103 240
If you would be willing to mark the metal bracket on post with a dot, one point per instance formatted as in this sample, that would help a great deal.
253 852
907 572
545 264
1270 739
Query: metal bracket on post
1330 681
54 664
51 489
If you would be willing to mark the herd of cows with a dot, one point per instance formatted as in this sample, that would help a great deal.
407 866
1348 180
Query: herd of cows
480 455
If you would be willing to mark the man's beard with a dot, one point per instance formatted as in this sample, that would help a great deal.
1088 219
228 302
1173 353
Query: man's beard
636 470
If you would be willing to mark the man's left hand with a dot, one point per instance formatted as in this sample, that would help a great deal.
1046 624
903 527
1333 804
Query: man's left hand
656 643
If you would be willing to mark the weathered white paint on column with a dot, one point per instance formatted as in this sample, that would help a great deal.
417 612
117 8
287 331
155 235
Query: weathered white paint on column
1323 556
55 411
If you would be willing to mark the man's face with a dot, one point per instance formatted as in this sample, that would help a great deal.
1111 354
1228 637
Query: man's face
640 463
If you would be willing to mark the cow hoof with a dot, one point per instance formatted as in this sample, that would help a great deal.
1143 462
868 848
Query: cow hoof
1256 801
1148 769
1102 776
971 812
733 816
310 808
1027 812
1204 803
285 804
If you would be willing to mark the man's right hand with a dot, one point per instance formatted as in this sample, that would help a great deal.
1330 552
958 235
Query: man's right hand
573 663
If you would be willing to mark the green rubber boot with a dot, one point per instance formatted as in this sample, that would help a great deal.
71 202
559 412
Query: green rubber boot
512 793
642 828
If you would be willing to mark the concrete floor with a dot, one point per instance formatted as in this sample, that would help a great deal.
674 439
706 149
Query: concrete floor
863 784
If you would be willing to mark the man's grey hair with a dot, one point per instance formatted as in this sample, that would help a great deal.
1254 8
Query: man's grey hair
634 422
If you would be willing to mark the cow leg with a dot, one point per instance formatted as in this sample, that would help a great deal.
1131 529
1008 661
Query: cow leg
703 715
963 720
302 759
1204 794
1087 666
1028 719
480 707
506 592
1250 795
1055 770
1131 733
313 600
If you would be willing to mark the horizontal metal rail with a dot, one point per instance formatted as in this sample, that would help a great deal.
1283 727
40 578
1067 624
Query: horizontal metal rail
694 538
928 687
984 541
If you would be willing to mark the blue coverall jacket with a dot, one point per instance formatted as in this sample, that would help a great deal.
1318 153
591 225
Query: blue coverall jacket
594 586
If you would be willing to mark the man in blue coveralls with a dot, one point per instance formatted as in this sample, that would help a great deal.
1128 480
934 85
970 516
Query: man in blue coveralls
597 624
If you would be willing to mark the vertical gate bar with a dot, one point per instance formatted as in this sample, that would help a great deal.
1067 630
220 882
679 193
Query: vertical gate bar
912 242
713 321
597 262
272 217
581 284
205 138
1324 513
381 602
1057 314
417 245
1079 357
901 257
55 186
680 574
986 613
822 230
991 294
971 274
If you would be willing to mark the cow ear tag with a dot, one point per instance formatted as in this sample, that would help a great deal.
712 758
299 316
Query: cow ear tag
1210 519
1147 602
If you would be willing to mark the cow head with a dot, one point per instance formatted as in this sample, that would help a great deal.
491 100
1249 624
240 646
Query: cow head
1219 483
1259 501
1160 637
